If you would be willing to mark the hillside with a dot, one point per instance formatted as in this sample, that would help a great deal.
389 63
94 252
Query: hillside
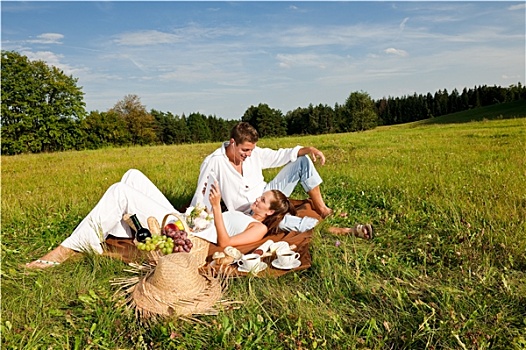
510 110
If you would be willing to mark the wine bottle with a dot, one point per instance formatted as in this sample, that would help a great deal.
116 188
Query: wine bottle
141 232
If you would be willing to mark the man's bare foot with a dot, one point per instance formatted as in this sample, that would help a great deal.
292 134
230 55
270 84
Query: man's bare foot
325 212
53 258
361 231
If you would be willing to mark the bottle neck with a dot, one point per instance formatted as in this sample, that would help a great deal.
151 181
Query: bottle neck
136 222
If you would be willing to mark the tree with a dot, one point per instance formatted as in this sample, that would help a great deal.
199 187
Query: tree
219 128
296 121
171 129
325 117
441 103
267 121
104 129
140 123
41 106
360 112
198 128
454 101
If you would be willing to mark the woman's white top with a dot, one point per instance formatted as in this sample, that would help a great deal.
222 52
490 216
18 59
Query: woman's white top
235 223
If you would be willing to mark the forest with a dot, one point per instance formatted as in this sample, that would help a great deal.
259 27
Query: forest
43 111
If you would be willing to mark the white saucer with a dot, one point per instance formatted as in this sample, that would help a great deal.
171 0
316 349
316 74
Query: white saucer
261 266
277 265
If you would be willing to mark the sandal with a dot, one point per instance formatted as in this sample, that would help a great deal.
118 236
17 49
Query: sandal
44 264
364 231
360 231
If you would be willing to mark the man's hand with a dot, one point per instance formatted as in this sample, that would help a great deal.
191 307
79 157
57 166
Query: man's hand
314 153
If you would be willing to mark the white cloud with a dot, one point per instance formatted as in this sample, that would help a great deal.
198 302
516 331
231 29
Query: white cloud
146 37
397 52
46 56
294 8
311 36
513 77
517 7
301 60
53 59
47 38
198 72
402 25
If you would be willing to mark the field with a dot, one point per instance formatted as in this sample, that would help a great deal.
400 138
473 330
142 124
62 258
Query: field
447 269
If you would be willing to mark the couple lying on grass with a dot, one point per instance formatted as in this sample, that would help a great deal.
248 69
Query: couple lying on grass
255 207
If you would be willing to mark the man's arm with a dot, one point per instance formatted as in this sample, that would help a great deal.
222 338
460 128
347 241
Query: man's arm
314 153
270 158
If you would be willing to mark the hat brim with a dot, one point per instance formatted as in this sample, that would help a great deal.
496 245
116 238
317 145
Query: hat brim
149 301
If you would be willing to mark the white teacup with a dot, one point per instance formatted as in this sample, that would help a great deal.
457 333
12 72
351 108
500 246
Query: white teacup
249 262
287 257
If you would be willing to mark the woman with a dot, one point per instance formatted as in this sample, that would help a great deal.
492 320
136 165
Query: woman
136 194
234 228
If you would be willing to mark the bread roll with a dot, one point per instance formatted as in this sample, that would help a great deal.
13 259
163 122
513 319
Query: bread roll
218 255
233 252
154 226
227 260
221 258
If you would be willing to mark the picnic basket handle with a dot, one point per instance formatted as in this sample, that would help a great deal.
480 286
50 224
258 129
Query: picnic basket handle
180 217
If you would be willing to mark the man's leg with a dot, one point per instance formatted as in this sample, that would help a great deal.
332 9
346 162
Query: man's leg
304 172
318 203
135 194
106 217
137 180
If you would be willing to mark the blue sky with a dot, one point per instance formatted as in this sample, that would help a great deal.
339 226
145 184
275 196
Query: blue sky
220 58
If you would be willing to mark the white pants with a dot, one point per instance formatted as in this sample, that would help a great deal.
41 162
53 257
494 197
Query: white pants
134 194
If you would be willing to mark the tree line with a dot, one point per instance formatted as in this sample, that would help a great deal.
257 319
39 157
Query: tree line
43 111
396 110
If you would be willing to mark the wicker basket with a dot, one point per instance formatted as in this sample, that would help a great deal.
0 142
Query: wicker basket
200 246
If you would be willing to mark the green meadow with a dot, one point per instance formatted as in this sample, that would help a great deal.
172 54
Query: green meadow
447 269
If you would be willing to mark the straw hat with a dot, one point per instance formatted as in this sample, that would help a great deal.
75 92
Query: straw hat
175 287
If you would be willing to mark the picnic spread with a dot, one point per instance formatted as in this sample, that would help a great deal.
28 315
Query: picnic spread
269 264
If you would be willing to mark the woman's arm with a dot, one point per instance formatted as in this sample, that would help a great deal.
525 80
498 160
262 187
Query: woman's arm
253 233
205 169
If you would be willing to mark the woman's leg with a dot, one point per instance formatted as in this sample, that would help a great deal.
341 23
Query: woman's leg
361 231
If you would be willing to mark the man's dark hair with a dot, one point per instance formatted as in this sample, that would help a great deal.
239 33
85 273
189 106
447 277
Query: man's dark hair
243 132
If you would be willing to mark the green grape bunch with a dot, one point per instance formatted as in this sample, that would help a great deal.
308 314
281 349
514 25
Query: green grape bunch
171 241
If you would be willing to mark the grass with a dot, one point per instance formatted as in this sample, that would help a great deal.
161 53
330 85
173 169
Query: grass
446 271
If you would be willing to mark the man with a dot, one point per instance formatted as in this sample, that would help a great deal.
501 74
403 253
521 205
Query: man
238 167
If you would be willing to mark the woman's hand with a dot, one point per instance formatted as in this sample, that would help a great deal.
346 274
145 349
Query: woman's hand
215 195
